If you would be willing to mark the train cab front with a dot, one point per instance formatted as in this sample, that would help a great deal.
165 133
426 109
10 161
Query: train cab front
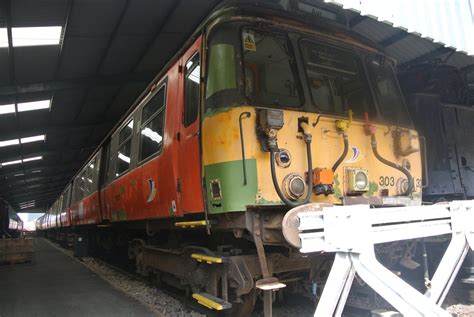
293 117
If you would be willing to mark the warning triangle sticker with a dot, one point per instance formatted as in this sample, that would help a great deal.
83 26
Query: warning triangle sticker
249 42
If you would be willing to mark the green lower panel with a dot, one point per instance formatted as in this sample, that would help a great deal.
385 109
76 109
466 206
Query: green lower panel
234 195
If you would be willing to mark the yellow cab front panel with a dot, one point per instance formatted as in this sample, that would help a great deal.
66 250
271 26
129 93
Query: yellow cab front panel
236 165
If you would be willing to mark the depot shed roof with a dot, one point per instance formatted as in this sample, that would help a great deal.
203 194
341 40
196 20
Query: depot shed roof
107 51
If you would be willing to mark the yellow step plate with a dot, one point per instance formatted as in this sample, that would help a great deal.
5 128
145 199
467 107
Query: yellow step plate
211 301
191 224
206 258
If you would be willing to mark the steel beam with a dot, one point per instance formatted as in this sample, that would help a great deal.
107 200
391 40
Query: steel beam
53 166
57 85
428 56
400 35
59 128
357 20
45 153
28 191
70 5
103 57
112 36
26 181
147 48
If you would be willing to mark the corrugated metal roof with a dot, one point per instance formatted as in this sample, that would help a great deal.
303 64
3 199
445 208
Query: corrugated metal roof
109 52
447 22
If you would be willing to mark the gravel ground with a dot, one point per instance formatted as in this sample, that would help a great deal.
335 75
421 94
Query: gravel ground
162 303
461 310
157 300
457 301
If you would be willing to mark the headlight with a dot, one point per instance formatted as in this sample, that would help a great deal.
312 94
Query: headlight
358 181
294 186
361 180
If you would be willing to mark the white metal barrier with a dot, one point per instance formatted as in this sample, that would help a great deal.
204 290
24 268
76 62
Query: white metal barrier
352 231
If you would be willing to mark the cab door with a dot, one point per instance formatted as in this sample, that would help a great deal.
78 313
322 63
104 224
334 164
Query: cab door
189 180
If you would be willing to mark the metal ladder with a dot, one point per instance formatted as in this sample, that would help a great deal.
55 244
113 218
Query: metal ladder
351 233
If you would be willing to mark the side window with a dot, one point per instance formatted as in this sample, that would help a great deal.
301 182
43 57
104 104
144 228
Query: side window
90 181
82 185
153 118
192 80
124 149
79 187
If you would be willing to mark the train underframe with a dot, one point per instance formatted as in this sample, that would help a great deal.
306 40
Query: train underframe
231 261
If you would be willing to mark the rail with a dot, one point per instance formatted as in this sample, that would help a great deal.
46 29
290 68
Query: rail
351 233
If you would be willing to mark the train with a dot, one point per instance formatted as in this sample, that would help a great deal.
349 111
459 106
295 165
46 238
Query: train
267 106
11 225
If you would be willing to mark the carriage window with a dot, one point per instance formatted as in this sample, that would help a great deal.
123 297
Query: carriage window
336 79
79 187
90 176
388 92
269 70
124 149
151 133
223 67
193 78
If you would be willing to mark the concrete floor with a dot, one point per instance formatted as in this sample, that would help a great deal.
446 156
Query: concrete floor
57 285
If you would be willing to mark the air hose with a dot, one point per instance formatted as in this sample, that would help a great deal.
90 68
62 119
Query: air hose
409 189
370 130
342 126
307 139
344 153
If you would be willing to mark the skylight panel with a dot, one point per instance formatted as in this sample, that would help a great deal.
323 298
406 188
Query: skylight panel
35 158
30 139
35 138
11 162
9 142
27 204
34 105
4 109
29 159
35 36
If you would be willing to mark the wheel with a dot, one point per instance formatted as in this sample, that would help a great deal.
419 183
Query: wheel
245 308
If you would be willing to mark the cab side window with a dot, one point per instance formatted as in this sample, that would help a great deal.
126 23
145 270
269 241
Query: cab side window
153 121
192 80
124 149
